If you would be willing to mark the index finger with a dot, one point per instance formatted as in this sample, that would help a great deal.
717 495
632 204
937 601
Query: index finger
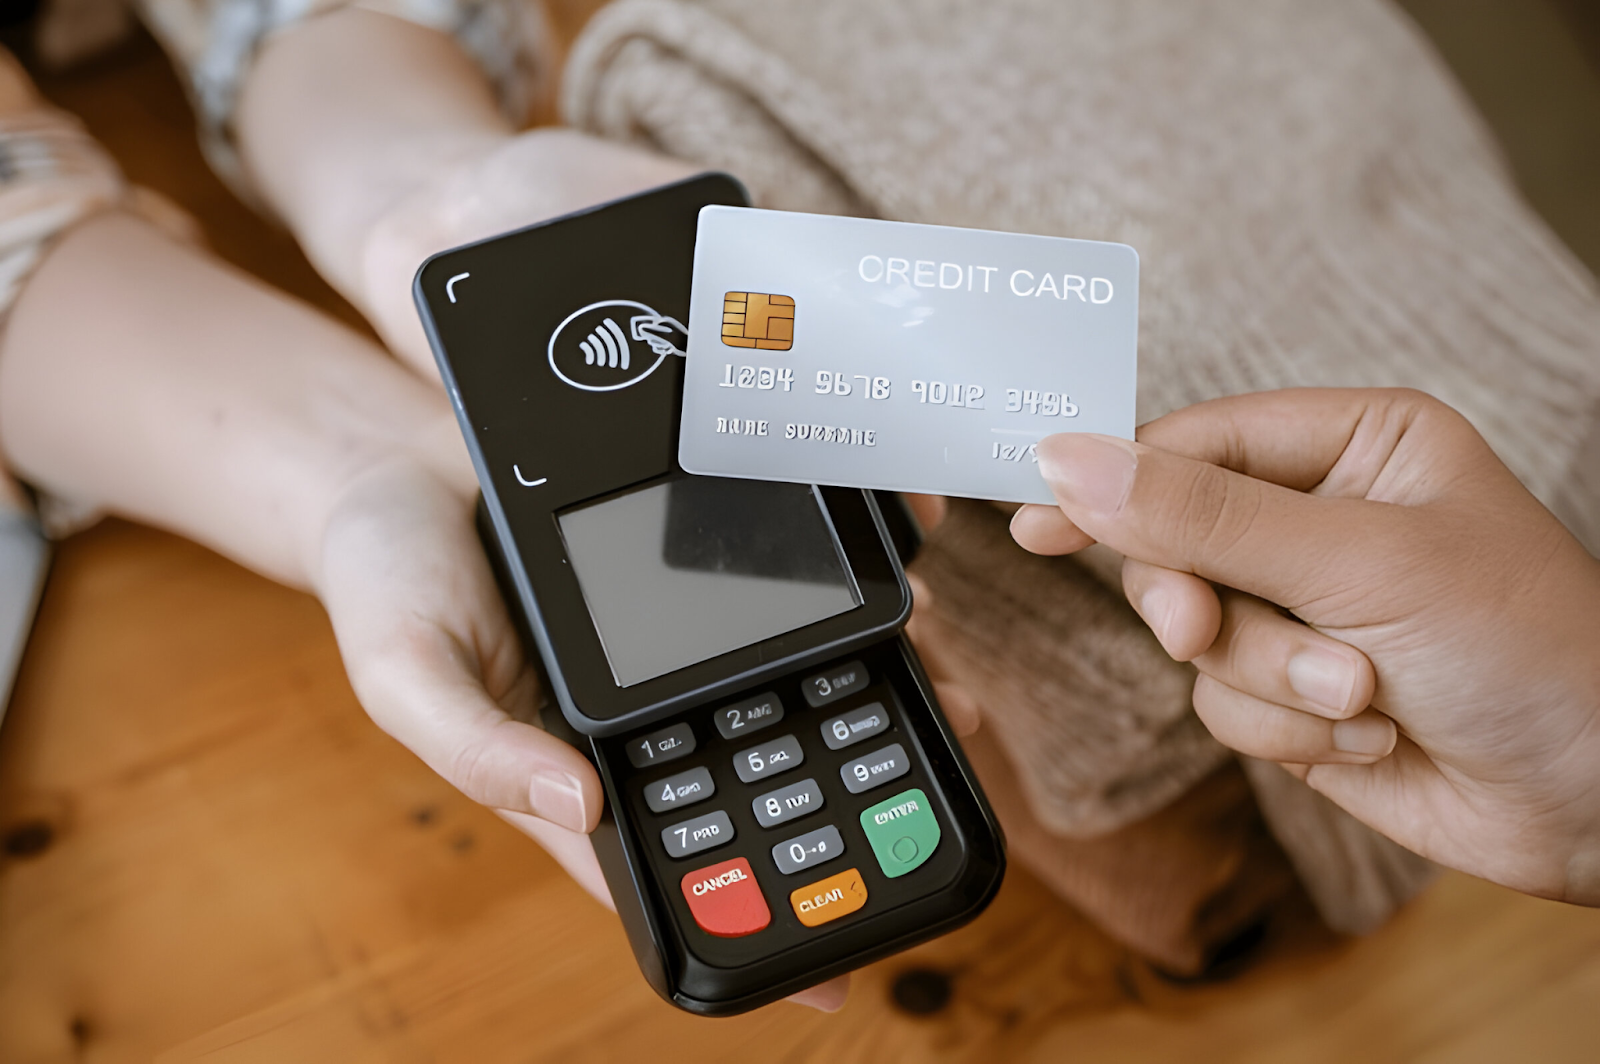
1325 441
1179 513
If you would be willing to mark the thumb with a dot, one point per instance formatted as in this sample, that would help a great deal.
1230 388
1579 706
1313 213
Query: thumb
1192 516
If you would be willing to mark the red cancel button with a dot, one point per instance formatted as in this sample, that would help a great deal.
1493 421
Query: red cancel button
726 900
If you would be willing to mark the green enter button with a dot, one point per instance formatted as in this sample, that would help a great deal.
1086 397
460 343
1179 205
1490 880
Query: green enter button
902 831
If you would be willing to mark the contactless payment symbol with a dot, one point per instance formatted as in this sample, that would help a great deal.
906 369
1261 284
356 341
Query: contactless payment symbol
758 319
612 344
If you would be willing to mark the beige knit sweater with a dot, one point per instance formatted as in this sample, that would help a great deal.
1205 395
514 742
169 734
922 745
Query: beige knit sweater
1313 203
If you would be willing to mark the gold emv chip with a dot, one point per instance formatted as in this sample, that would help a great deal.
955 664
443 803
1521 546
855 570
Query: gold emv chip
758 319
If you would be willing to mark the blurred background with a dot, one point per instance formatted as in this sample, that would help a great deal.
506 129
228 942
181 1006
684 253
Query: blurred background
206 850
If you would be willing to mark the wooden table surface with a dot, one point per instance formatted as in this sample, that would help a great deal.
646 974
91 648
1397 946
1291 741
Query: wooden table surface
206 850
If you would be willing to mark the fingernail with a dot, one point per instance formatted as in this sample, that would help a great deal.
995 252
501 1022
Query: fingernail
558 798
1091 472
1156 608
1322 678
1370 735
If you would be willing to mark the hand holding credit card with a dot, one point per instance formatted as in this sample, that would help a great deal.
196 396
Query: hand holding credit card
874 354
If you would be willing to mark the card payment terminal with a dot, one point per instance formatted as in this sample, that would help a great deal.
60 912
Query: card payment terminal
784 800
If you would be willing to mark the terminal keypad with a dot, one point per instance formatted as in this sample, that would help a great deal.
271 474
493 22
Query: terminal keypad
843 855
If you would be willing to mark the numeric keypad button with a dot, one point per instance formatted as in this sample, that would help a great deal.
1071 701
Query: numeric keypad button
753 714
833 684
828 899
808 850
787 803
686 788
725 899
903 832
662 746
697 835
768 759
850 728
875 769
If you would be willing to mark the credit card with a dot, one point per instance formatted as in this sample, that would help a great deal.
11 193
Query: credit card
873 354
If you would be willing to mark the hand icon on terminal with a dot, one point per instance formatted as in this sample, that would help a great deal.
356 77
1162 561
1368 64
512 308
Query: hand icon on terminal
666 336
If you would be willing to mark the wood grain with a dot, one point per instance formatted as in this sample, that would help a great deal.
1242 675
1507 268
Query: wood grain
208 852
239 866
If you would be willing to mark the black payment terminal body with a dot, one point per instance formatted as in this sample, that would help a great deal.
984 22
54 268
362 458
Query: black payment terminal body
784 800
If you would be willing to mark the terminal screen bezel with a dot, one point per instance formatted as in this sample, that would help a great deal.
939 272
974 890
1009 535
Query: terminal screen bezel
522 423
587 672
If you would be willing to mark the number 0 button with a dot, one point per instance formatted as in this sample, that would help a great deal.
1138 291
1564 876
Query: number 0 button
768 759
808 850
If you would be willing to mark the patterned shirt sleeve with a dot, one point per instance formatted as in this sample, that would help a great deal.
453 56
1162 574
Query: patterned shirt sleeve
53 175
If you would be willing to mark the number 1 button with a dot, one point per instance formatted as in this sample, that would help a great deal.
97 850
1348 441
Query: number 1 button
662 746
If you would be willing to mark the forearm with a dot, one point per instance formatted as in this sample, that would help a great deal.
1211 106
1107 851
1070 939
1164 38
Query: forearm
139 374
347 114
379 143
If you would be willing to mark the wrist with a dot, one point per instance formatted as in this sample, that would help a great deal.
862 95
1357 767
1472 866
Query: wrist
1583 867
496 186
1583 874
397 490
410 457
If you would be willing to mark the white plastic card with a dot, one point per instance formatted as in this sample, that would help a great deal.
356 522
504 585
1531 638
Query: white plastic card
873 354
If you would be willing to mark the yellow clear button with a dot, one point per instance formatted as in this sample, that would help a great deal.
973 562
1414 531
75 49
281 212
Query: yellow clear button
828 899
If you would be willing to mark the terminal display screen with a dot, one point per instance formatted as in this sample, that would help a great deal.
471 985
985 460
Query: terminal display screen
683 571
